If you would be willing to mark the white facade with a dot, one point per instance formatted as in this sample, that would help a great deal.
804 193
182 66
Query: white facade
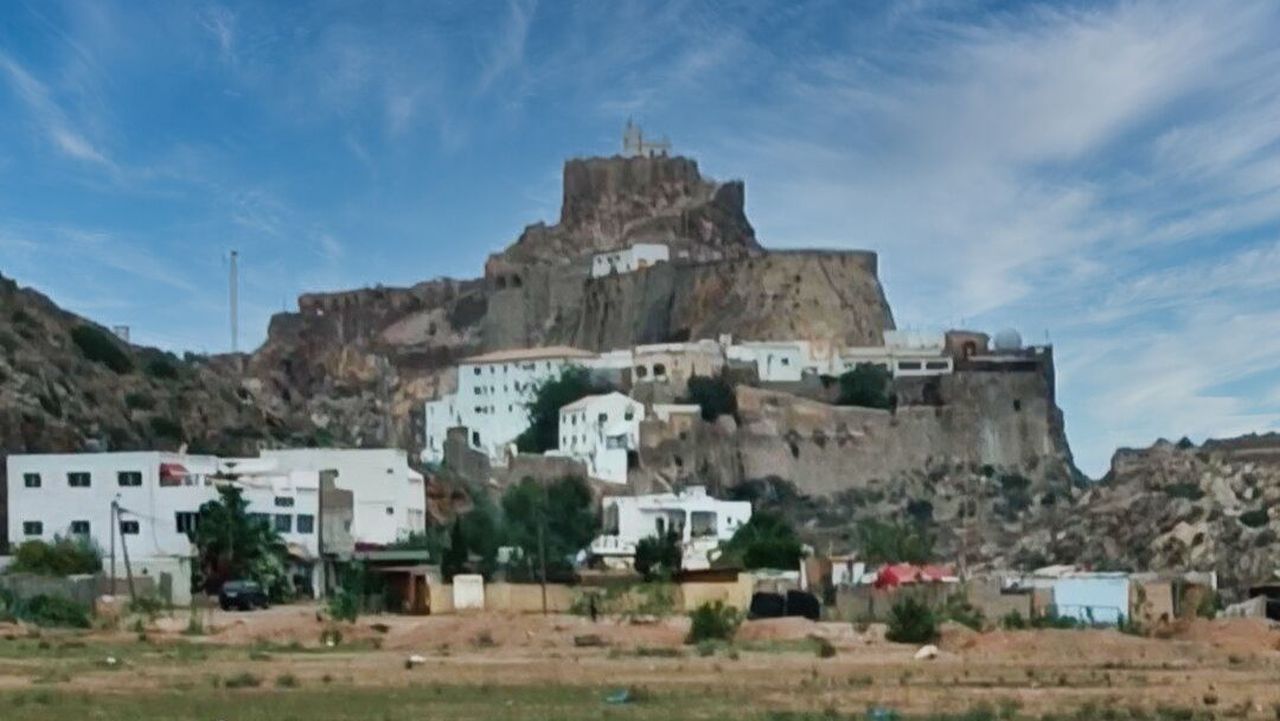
779 362
629 259
701 522
601 431
492 398
390 497
159 494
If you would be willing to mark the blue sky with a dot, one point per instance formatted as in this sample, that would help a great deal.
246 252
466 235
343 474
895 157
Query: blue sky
1104 173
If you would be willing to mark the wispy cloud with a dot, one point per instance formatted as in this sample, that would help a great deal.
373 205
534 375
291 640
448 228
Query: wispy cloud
507 51
48 116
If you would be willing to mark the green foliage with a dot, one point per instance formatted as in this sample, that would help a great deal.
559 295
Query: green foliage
883 542
920 510
55 611
163 367
563 511
659 556
1013 621
232 545
63 557
100 346
765 541
911 621
1188 490
714 396
959 609
139 401
147 606
868 384
713 622
166 428
1257 518
455 556
243 679
549 396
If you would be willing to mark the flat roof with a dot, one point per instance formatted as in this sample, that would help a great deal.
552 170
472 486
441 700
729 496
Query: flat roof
519 354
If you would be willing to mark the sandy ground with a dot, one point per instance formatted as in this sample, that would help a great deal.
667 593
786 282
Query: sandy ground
1228 666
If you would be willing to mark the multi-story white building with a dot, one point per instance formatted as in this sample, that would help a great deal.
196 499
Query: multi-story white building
602 431
389 497
159 495
700 521
492 398
629 259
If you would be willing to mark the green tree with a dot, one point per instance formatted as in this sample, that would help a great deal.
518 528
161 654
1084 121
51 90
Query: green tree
63 557
233 544
714 395
766 541
659 556
456 555
543 433
100 346
882 542
564 510
911 621
868 384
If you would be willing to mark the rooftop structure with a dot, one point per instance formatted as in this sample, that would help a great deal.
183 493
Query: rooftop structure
700 521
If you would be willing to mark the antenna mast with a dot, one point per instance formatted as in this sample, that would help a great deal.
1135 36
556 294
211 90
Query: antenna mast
235 303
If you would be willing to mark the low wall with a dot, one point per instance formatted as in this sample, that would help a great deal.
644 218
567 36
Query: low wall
867 603
736 594
527 597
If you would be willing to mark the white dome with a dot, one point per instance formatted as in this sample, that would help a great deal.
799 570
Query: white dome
1008 340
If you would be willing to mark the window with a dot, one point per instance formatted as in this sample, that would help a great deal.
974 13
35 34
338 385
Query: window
78 479
128 528
261 518
786 361
909 366
659 370
32 528
641 371
31 480
391 511
186 521
630 414
475 438
306 523
129 479
284 523
936 365
79 528
1017 404
477 369
284 502
702 524
602 418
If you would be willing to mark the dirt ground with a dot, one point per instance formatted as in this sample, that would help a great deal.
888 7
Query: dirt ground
1229 667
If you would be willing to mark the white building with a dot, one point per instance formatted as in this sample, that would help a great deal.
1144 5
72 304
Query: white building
701 522
629 259
904 354
390 498
492 397
160 495
775 361
602 431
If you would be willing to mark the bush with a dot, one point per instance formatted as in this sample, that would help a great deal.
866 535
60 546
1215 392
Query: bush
959 609
139 401
882 542
713 622
543 433
242 680
166 428
287 680
1256 518
765 541
659 556
162 368
868 385
1013 621
911 621
62 557
714 396
1187 490
55 611
824 648
147 606
100 346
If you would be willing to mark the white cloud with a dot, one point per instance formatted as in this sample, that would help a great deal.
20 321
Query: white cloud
48 115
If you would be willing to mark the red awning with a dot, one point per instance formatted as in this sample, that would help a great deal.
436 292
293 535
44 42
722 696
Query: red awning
173 474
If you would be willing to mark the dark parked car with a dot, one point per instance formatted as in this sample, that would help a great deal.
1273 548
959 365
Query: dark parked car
244 595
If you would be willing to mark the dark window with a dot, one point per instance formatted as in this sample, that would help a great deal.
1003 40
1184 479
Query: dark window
186 521
32 528
80 528
602 418
475 438
261 518
78 479
641 371
284 502
477 370
129 528
31 480
909 366
390 511
659 370
936 365
306 523
1017 404
129 478
284 523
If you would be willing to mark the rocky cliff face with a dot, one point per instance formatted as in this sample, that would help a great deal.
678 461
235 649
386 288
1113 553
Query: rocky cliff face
360 364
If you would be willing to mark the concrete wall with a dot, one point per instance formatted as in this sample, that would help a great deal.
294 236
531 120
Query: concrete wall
736 594
561 598
867 603
1151 603
468 593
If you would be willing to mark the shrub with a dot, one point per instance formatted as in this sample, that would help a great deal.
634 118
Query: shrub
1187 490
824 649
1013 621
55 611
714 396
139 401
713 622
162 368
882 542
911 621
147 606
166 428
868 385
287 680
1257 518
100 346
243 679
549 396
62 557
765 541
659 556
959 609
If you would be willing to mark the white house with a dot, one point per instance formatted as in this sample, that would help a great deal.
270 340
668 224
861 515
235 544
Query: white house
904 353
700 521
602 431
159 496
629 259
492 397
775 361
390 498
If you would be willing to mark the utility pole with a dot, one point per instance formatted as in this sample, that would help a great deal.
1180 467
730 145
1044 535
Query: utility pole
234 281
115 505
124 548
542 547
